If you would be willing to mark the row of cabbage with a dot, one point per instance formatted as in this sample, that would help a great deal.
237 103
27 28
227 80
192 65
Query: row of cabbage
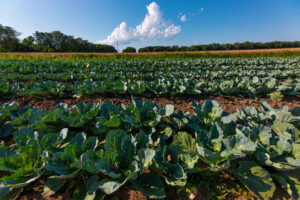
85 74
95 149
216 64
245 87
24 70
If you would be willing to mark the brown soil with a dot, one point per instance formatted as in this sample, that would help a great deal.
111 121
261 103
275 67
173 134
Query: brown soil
124 193
229 104
127 192
34 192
38 196
251 51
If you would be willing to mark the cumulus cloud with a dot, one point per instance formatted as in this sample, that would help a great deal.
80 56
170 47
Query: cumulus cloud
153 25
183 18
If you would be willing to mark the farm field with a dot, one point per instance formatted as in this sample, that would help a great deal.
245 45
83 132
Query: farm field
216 52
149 127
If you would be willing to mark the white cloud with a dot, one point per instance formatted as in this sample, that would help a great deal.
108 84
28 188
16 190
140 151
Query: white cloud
171 31
183 18
153 25
201 9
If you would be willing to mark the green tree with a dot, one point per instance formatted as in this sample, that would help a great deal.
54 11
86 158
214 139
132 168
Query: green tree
9 39
129 50
59 42
27 44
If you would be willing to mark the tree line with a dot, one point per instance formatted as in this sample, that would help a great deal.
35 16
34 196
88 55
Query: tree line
216 46
47 42
58 42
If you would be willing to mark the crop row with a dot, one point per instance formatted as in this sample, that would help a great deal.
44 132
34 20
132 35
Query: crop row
145 70
27 66
103 147
161 87
149 76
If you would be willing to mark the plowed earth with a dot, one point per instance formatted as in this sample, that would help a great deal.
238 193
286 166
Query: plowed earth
229 104
250 51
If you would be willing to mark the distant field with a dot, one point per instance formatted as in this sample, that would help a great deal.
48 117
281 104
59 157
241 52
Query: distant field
219 125
221 52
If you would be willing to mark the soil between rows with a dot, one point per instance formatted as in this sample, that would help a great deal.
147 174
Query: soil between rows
229 104
127 192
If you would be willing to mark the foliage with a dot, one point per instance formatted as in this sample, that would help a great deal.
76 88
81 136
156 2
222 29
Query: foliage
160 87
129 50
47 42
8 39
146 145
254 78
216 46
276 96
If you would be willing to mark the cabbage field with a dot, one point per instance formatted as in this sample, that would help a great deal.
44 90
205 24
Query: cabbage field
111 131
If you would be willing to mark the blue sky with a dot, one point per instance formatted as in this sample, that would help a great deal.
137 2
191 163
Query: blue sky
169 22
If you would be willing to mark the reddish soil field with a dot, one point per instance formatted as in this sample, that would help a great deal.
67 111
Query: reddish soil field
229 104
251 51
